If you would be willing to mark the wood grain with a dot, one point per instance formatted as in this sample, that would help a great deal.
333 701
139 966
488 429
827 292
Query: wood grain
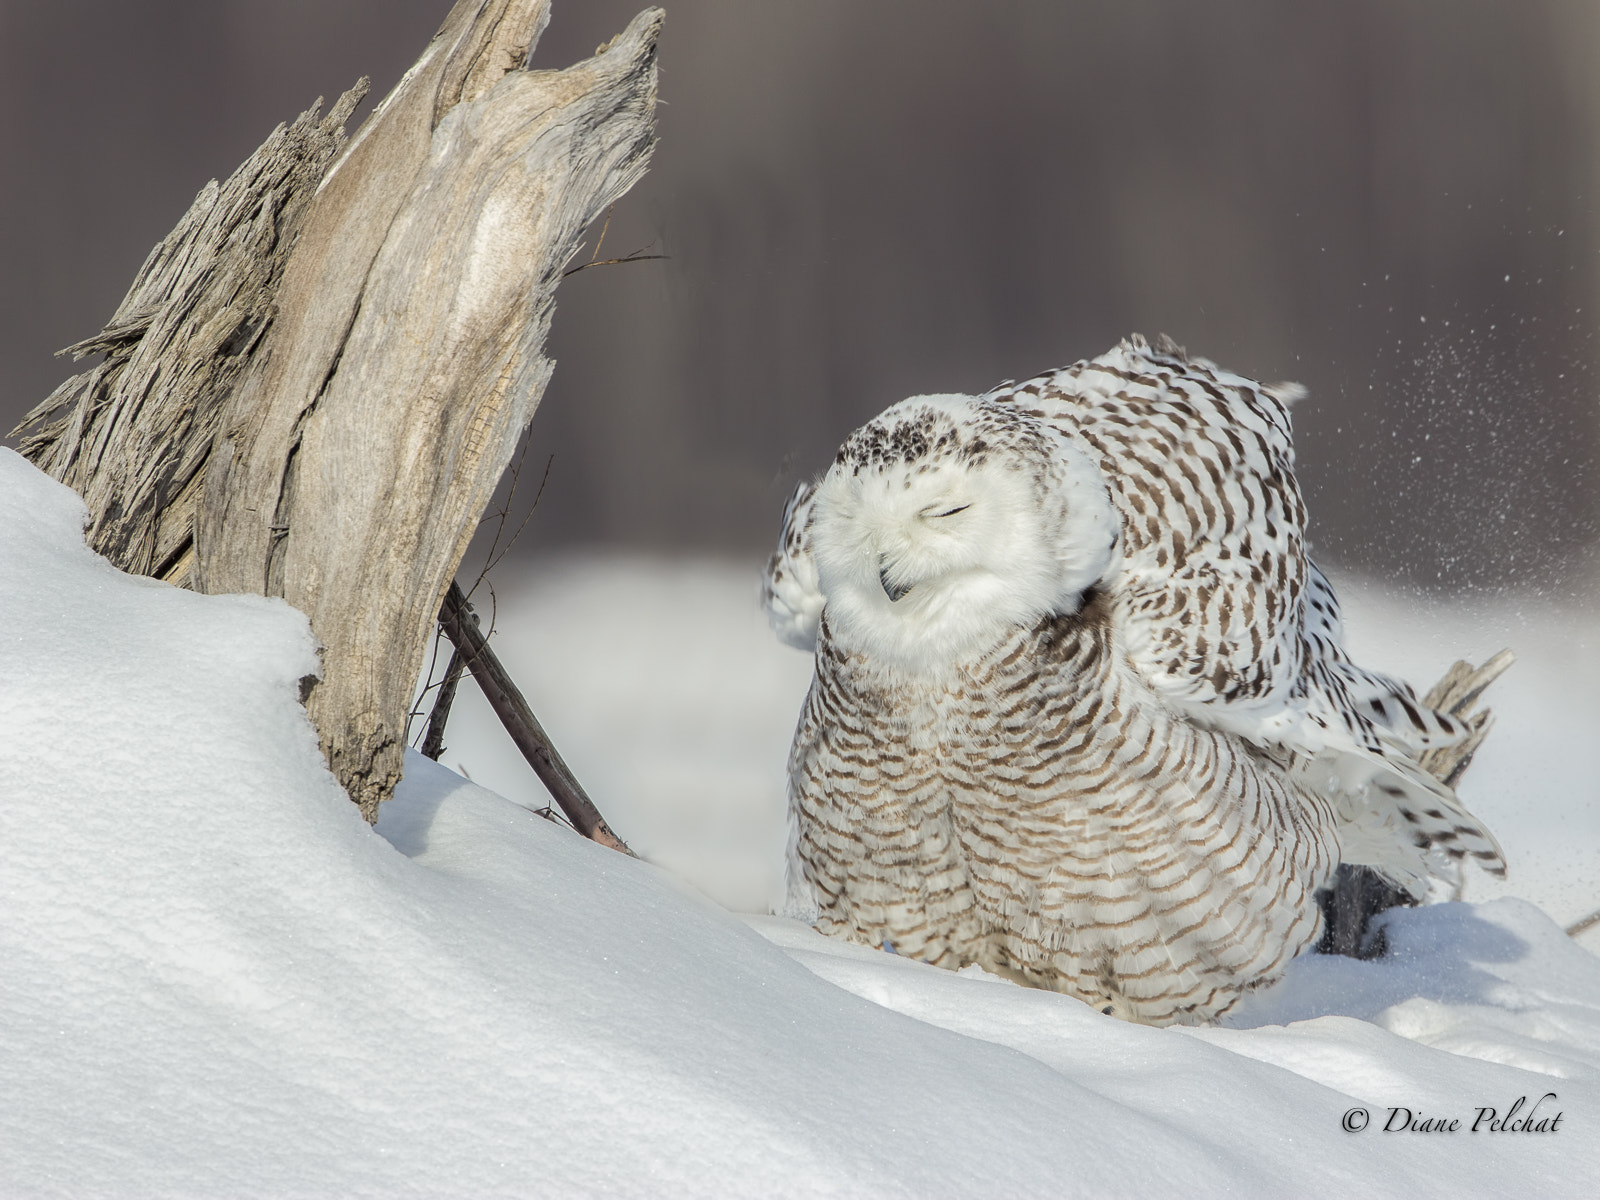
318 378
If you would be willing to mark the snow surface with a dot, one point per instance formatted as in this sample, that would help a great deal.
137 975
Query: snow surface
215 980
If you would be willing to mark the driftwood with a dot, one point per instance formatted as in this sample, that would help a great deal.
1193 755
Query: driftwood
1358 894
133 435
461 627
318 378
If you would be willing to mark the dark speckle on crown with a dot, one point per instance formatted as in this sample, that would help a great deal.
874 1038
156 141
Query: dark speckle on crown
925 435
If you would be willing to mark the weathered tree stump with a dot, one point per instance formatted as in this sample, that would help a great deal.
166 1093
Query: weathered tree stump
317 379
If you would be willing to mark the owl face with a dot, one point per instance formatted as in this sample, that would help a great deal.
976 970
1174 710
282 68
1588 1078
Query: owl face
947 522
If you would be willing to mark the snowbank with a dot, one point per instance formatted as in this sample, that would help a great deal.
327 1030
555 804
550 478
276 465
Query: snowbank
217 981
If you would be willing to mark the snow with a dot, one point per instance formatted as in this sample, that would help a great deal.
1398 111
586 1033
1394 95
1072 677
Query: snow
218 981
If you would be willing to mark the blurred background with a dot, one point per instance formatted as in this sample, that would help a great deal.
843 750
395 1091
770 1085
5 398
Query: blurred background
1391 201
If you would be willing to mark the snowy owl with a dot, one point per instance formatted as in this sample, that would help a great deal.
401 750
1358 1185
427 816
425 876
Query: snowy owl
1081 713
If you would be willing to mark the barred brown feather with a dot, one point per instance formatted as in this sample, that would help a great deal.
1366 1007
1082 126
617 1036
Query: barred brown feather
1081 712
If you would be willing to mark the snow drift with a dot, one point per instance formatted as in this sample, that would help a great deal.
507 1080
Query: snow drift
216 980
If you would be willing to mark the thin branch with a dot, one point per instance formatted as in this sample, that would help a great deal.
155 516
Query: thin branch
638 255
604 229
504 511
494 559
461 627
612 262
1584 925
416 708
552 815
495 552
433 743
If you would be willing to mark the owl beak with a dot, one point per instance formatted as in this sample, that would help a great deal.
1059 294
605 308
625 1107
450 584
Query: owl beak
892 590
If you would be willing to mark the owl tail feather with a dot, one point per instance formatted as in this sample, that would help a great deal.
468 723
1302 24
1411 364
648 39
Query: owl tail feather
1408 827
1401 816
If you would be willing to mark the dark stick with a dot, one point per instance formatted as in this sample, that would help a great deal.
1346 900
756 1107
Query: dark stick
461 627
1587 923
433 743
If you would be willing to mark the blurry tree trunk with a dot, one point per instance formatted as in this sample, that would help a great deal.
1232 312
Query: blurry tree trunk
316 381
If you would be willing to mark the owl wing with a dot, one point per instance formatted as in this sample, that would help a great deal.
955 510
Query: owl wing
789 589
1222 613
1200 465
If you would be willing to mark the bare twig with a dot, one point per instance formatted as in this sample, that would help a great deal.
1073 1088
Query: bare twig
501 514
604 229
493 559
612 262
638 255
461 627
1584 925
433 743
416 706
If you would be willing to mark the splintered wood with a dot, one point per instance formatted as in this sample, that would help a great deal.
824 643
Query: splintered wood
133 434
319 376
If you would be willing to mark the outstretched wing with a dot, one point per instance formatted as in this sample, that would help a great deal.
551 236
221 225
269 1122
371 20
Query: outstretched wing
1220 609
1200 464
789 590
1380 712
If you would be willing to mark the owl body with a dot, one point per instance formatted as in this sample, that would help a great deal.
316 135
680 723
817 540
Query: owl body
1081 713
1032 811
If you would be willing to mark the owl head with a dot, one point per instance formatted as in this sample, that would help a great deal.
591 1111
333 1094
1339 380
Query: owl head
949 521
